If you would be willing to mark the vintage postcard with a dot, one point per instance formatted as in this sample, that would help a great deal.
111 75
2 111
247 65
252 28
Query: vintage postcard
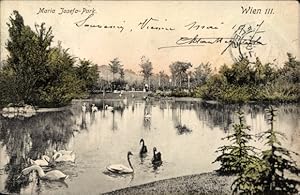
149 97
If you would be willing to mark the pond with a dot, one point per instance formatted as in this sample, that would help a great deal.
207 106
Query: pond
186 133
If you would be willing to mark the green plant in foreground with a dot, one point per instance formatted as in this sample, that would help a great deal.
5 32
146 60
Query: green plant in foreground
236 156
248 182
273 173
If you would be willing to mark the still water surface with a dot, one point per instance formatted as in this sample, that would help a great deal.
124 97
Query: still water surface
105 137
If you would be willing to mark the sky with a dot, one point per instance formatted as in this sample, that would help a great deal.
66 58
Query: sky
277 32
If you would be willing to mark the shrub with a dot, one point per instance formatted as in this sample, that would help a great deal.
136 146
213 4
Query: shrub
236 156
268 175
180 93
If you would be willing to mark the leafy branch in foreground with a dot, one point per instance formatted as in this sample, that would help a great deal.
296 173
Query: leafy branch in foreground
239 154
273 174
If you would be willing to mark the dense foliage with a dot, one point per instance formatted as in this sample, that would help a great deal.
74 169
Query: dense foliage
245 81
36 73
87 72
179 72
201 74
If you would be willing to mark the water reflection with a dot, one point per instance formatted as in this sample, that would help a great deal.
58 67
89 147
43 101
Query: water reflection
181 130
83 125
177 108
114 125
30 139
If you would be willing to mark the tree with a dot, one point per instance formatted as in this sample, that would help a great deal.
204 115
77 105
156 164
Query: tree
268 176
38 74
202 73
27 59
8 86
291 69
263 74
147 68
163 80
62 82
178 71
236 156
122 74
240 74
87 72
115 66
120 83
279 161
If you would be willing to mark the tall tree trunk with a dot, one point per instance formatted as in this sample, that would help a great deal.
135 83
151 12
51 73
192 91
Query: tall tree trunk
180 81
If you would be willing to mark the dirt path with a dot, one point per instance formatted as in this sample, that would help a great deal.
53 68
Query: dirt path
205 183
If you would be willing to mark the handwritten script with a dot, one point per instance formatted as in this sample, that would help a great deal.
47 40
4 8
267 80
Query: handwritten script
244 37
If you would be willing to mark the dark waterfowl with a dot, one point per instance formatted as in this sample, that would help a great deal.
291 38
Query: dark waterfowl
156 160
143 150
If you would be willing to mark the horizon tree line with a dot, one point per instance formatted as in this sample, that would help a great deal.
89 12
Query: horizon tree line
36 72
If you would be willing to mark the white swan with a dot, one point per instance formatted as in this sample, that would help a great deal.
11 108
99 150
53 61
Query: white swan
44 161
121 169
64 152
125 100
83 107
9 115
147 115
5 109
107 107
29 109
59 157
51 175
21 110
12 109
94 108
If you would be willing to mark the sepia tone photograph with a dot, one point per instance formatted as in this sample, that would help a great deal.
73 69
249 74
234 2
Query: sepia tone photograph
149 97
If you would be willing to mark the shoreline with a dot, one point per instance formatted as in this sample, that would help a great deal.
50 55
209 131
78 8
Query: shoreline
139 95
116 97
203 183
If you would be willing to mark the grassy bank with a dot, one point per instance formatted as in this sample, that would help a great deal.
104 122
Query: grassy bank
204 183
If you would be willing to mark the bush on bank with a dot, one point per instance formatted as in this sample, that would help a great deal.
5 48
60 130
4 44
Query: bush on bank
245 82
270 172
